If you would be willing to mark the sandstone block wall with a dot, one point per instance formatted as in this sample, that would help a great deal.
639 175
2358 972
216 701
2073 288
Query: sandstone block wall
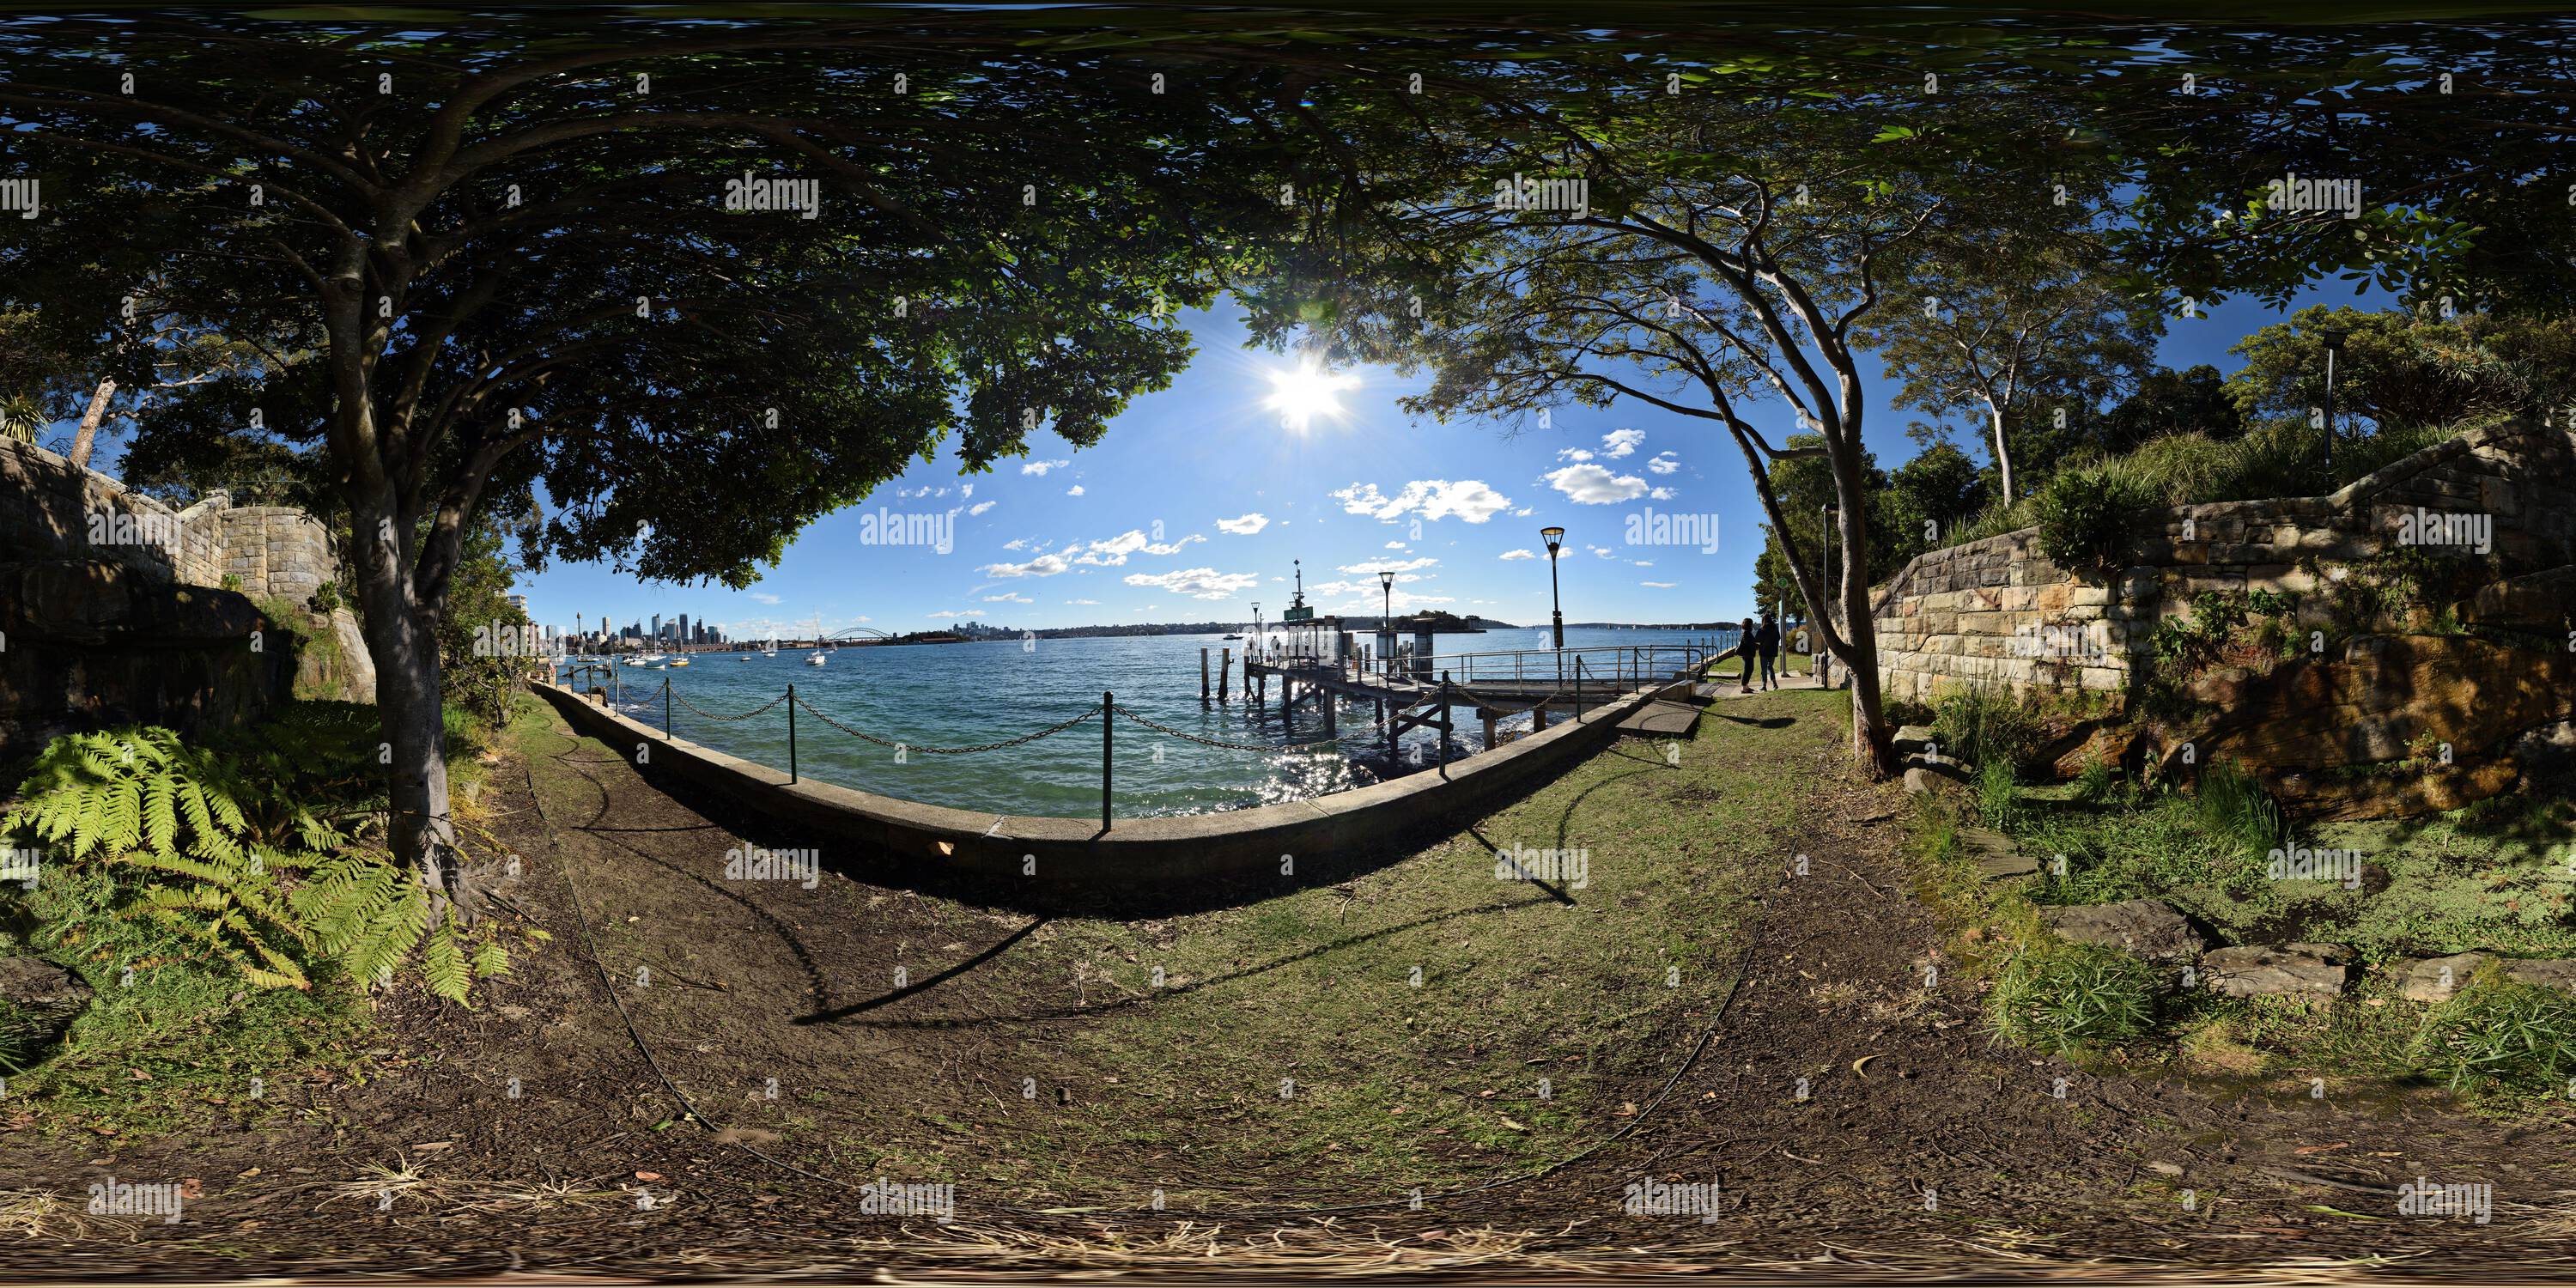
1998 612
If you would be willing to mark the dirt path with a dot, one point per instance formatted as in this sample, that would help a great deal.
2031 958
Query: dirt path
776 1012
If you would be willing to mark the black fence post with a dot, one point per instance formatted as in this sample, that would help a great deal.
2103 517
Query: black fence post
791 733
1444 724
666 708
1108 701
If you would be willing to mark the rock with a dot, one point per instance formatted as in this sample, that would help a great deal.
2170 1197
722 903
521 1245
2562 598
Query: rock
1914 738
1996 855
40 985
1954 770
2148 928
2388 698
2163 1168
2558 974
2438 979
2536 602
2268 969
2548 751
1920 781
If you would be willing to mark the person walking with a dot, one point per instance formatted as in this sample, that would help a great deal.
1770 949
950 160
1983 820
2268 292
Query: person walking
1745 646
1768 641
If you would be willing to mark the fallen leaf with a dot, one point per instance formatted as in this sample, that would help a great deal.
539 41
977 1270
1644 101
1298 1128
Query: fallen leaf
648 1176
1507 1122
1857 1070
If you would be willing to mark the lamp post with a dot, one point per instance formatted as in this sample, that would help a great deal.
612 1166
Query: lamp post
1257 641
2333 336
1825 656
1553 537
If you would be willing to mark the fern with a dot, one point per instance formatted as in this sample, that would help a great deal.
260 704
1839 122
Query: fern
225 850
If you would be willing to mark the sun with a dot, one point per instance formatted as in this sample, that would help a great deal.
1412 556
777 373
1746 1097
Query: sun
1305 393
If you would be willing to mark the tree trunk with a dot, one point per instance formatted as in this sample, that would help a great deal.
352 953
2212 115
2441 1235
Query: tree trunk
2003 458
87 438
402 640
1873 742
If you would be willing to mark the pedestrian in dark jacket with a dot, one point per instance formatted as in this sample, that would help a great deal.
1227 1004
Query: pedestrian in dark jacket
1768 641
1745 647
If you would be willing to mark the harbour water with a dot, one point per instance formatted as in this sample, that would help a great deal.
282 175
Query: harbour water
957 695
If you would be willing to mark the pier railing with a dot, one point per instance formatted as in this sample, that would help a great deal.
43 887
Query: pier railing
1628 664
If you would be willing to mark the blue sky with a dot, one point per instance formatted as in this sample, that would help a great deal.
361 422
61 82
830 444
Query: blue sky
1198 499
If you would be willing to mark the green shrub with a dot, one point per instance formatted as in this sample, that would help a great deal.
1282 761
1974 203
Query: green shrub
2232 805
2096 783
2087 514
2500 1033
251 855
1982 725
2065 997
1998 794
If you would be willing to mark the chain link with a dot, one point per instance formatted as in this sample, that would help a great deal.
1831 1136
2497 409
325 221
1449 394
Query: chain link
683 700
947 751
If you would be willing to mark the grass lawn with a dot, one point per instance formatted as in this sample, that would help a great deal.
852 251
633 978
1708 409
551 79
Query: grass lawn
1426 1023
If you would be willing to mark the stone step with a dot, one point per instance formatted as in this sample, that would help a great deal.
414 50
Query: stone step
2311 970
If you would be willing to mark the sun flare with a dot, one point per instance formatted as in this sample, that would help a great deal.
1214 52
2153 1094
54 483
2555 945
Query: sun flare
1306 393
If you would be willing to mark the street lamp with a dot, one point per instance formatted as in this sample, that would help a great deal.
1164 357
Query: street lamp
2333 336
1386 599
1257 640
1553 537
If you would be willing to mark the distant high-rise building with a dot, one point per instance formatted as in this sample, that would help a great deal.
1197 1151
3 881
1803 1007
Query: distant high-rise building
657 626
684 630
519 602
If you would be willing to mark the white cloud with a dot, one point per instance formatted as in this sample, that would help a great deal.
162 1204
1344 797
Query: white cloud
967 489
1469 499
972 612
1395 545
1520 554
1114 551
1245 526
1042 566
1016 543
764 597
1200 583
1075 490
1041 467
1572 454
1523 512
1400 565
1660 585
1082 601
1621 442
977 510
1010 597
1662 494
1643 563
1603 551
1593 485
1664 463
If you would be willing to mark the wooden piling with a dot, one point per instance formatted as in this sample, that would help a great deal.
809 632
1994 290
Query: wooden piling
1203 677
1224 669
1488 717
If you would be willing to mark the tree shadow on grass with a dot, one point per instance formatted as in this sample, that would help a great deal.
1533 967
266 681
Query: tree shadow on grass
1125 1003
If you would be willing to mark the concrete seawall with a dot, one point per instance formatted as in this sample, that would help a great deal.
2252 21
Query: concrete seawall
1073 851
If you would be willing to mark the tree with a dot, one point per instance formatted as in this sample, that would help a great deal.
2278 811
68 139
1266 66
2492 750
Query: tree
500 255
1723 251
2400 369
2193 400
2024 325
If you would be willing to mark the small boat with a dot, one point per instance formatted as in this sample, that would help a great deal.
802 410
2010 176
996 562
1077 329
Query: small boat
1234 637
814 659
679 661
